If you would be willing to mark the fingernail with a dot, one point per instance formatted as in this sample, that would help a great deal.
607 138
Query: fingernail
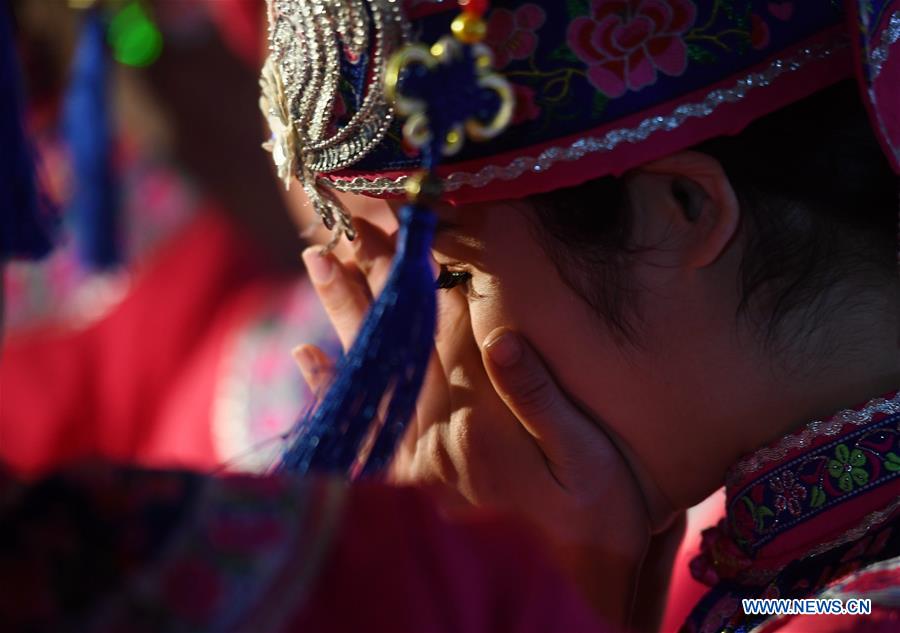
304 358
504 349
320 267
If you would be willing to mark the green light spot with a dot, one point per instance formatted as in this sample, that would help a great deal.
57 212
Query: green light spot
134 39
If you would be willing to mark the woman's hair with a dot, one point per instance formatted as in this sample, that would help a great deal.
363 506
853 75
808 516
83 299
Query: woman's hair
819 204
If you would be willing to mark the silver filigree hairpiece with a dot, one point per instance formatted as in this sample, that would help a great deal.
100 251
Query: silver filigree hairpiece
299 83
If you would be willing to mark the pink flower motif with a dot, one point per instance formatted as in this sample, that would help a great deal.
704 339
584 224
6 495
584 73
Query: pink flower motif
789 493
511 34
624 42
526 109
760 36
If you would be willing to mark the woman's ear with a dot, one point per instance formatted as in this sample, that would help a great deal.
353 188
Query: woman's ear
685 202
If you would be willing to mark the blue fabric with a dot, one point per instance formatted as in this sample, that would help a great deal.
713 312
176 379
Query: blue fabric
27 219
93 208
388 358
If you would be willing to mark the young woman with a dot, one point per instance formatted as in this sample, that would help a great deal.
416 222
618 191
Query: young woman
98 547
683 308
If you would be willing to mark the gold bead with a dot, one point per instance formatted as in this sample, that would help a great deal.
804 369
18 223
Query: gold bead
422 187
469 28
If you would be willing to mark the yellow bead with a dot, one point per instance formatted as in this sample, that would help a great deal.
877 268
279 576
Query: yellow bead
422 187
469 28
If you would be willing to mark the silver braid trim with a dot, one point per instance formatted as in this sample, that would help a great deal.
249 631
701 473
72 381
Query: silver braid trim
804 438
381 186
889 37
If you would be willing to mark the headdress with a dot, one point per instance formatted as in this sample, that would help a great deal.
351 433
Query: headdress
598 87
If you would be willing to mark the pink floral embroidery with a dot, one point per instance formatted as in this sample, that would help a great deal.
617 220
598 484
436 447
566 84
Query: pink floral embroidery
625 42
526 109
789 493
760 36
511 34
784 11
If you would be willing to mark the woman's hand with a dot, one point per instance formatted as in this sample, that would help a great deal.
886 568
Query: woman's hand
493 429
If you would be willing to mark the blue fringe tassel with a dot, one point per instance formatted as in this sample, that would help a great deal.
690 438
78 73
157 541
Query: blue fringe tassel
86 127
390 356
27 218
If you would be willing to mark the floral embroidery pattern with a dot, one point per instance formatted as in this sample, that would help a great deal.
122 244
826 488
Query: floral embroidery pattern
511 34
625 42
526 108
790 493
847 468
860 460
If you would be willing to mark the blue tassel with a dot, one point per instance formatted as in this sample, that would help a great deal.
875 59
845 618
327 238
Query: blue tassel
27 218
86 127
389 356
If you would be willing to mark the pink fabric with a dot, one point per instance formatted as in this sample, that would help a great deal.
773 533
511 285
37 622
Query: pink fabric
397 566
137 386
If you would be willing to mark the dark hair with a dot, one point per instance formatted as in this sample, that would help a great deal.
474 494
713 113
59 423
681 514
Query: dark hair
818 204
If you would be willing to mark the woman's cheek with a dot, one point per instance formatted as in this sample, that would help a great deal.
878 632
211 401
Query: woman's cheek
488 313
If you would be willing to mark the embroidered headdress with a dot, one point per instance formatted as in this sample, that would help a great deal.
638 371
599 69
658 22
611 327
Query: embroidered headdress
357 101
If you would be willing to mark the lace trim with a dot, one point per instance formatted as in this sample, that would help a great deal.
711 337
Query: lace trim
383 186
763 576
801 439
888 38
872 520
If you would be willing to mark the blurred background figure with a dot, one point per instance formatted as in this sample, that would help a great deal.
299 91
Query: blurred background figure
160 331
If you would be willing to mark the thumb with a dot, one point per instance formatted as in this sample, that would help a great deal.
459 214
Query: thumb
521 379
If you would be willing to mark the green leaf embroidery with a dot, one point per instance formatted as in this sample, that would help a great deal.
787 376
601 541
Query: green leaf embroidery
845 482
699 54
578 7
599 104
760 515
892 462
818 497
842 453
564 53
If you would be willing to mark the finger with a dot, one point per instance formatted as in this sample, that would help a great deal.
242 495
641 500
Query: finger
344 298
316 367
373 250
531 393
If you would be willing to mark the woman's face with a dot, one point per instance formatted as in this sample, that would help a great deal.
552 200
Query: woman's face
658 399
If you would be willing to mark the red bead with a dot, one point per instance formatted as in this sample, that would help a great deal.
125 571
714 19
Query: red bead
478 7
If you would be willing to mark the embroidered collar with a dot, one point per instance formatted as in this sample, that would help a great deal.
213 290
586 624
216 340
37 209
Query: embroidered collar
823 486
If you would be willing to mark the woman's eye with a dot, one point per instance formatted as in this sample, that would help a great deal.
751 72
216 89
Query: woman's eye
448 279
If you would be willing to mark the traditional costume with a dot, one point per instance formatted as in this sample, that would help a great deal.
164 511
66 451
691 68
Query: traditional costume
371 97
104 548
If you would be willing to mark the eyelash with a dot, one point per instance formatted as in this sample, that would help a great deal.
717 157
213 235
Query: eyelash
449 279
